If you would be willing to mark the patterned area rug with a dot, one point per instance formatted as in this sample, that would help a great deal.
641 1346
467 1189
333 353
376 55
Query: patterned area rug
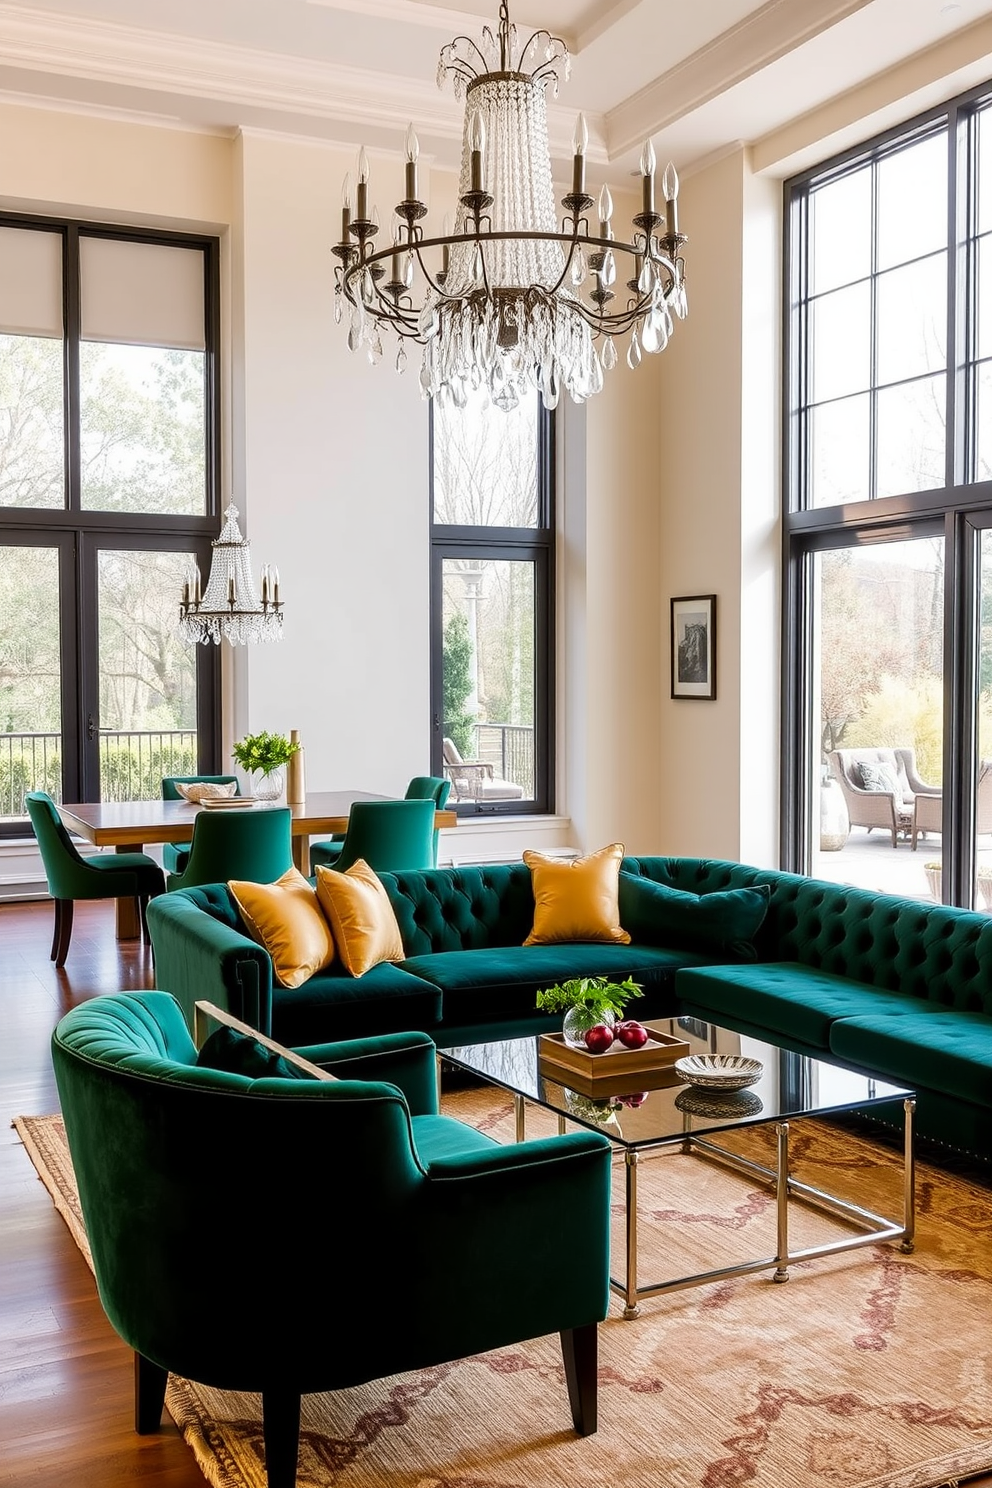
869 1369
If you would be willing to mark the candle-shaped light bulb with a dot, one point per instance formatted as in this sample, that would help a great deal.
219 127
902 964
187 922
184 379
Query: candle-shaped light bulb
477 143
648 164
412 156
275 585
265 584
446 251
232 590
397 239
670 186
345 207
186 592
197 593
363 185
605 213
346 191
580 141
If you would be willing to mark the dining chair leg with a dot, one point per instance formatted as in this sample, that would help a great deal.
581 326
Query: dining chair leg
55 932
143 915
63 929
281 1435
579 1351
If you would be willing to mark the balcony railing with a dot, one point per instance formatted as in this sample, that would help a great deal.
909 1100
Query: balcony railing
132 764
509 748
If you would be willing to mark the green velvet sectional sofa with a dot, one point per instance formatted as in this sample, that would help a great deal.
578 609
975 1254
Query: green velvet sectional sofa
890 986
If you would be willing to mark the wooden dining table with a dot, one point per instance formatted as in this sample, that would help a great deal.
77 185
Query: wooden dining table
128 826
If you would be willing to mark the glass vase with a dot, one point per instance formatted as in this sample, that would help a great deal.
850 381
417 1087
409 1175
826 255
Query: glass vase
268 785
578 1021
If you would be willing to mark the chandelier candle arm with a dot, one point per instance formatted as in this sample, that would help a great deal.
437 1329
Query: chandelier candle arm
516 303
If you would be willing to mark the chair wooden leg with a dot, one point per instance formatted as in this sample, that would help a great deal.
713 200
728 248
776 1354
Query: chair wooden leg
143 914
55 932
63 929
579 1351
281 1434
149 1394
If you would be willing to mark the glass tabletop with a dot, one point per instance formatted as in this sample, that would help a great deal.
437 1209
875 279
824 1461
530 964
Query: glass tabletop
790 1085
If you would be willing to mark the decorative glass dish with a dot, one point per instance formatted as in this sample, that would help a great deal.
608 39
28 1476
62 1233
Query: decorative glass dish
719 1071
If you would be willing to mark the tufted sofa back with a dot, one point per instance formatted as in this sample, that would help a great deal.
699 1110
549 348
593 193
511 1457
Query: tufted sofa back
461 909
931 951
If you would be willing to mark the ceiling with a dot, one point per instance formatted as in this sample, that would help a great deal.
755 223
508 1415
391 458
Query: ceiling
695 77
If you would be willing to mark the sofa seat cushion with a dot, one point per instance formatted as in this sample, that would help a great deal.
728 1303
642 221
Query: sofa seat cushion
333 1005
437 1137
946 1051
501 982
783 996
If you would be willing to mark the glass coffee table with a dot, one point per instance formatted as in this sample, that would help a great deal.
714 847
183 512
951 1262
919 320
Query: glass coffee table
792 1087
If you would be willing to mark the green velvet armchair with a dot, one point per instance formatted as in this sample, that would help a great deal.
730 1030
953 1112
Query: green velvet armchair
223 1268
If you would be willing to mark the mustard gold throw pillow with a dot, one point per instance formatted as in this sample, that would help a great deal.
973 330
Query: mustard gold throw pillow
577 900
361 917
286 919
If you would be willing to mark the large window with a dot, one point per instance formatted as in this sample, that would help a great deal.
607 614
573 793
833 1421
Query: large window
889 459
108 476
492 604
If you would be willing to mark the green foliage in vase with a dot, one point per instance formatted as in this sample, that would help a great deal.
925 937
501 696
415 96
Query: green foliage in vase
263 751
595 995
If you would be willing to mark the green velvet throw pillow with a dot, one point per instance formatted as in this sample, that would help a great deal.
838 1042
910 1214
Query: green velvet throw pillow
239 1054
722 923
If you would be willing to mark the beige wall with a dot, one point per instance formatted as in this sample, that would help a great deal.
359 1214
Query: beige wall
719 506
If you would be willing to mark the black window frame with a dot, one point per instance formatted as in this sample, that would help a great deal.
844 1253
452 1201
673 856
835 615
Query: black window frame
536 545
960 509
79 532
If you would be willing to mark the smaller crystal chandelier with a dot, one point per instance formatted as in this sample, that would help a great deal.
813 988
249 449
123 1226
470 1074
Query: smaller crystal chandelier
229 607
511 300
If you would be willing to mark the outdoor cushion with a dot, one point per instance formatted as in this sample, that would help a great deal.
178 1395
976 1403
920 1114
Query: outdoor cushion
782 996
946 1051
502 982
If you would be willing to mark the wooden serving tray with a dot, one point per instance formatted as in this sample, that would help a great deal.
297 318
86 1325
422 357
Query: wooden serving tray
658 1054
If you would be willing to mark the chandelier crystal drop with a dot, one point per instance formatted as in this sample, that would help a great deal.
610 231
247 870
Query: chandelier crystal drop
229 607
509 299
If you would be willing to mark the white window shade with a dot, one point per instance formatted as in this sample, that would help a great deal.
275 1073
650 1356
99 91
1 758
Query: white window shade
141 294
30 282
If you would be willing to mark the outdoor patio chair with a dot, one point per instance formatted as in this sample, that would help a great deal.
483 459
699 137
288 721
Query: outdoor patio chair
474 780
893 809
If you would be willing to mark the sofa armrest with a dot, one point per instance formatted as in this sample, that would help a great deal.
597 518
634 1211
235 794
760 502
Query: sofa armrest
200 959
495 1201
407 1060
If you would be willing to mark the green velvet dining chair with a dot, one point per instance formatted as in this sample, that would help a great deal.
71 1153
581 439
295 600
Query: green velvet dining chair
444 1242
421 788
71 876
388 835
175 855
253 842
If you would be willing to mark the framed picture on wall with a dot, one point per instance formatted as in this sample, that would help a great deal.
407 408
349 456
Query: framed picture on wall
694 647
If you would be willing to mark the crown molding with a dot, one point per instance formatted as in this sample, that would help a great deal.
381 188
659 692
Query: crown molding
161 62
779 27
593 22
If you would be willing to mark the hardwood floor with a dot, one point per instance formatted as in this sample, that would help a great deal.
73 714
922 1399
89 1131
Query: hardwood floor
66 1402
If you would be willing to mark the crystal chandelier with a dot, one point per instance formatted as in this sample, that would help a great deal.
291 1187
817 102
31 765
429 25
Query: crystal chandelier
230 607
509 300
